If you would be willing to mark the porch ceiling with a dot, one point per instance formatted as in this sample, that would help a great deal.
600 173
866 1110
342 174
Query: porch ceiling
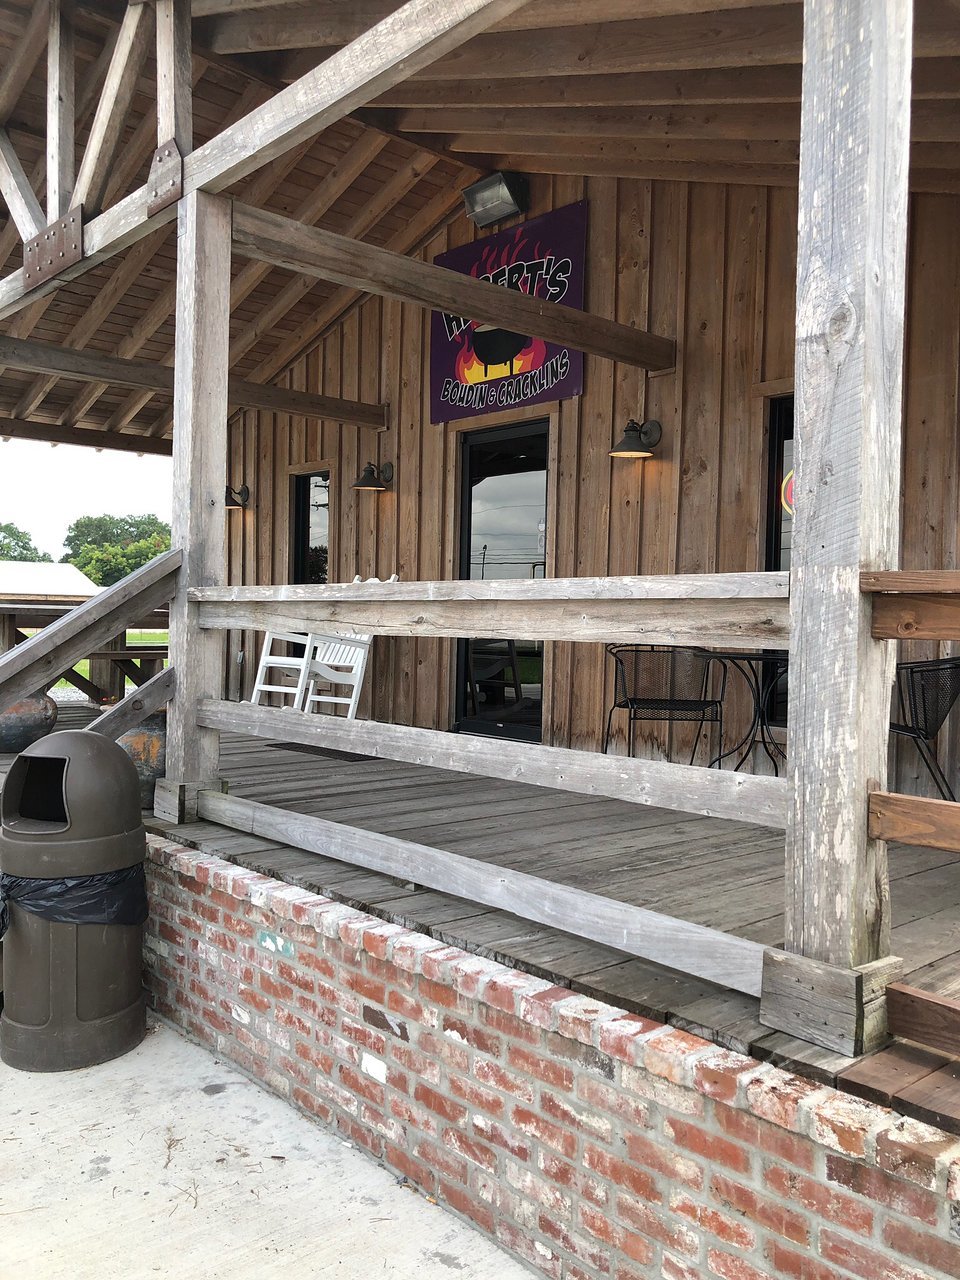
705 90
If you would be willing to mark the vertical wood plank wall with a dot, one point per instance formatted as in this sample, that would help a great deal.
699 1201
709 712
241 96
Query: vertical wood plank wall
714 266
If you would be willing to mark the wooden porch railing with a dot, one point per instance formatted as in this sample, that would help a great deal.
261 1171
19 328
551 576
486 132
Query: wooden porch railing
41 659
733 610
728 610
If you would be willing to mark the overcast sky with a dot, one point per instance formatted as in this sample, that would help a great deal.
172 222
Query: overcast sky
44 488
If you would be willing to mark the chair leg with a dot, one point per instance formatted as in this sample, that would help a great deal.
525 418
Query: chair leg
606 736
930 760
631 732
696 741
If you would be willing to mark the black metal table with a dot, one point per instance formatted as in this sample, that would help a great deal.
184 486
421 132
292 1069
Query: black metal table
760 670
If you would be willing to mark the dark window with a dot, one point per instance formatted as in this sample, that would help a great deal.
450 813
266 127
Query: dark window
311 526
780 484
779 525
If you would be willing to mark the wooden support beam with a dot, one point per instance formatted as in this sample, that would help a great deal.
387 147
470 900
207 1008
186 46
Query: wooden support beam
53 433
128 270
174 75
383 202
164 304
422 227
732 86
678 42
778 122
61 126
347 21
690 948
110 117
48 358
17 191
275 239
134 709
717 793
199 476
317 202
23 57
850 308
580 148
406 41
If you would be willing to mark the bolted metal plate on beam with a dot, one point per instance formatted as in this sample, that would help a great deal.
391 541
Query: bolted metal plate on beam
165 182
56 247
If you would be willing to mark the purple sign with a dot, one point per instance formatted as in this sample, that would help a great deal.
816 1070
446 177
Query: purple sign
476 368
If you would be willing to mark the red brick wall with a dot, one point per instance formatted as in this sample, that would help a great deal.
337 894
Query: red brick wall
589 1142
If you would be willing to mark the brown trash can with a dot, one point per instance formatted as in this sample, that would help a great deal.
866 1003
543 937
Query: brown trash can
72 847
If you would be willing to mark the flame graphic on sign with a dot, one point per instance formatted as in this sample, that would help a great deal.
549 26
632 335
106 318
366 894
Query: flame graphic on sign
469 369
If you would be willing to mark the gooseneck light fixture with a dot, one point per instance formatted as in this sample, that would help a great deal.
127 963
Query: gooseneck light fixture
639 440
373 478
235 498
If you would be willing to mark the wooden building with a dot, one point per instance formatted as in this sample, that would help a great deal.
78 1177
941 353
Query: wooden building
280 340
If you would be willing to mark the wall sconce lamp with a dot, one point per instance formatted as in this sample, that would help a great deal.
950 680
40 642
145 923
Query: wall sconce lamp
236 498
498 196
374 478
639 440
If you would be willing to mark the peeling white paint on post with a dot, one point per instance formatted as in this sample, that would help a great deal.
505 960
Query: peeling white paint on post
850 305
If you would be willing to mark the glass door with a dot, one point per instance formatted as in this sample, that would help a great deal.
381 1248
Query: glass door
310 527
503 535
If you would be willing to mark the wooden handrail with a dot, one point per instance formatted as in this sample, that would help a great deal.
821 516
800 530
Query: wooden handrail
136 706
718 793
731 610
40 660
932 824
914 604
668 586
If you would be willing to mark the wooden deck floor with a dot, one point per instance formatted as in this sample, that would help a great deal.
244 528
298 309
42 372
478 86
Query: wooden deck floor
717 873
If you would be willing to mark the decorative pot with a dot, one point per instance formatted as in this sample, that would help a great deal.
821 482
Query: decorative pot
25 722
146 745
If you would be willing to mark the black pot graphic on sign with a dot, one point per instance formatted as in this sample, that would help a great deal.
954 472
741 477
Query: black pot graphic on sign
497 346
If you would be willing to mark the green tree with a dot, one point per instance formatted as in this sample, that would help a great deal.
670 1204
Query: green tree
107 564
16 544
111 531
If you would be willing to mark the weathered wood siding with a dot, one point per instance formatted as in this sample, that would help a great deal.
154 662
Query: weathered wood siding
712 265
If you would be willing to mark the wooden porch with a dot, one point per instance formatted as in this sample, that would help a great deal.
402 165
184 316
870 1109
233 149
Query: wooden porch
713 872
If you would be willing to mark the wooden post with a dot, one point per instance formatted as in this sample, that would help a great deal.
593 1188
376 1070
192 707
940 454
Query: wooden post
8 631
61 153
850 308
174 75
199 480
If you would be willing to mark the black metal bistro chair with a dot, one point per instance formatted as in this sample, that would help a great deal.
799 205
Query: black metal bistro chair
927 692
661 683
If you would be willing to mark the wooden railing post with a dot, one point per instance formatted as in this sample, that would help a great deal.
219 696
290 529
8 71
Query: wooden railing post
850 306
199 479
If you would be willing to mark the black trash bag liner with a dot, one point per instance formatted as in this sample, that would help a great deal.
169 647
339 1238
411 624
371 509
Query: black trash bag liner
115 897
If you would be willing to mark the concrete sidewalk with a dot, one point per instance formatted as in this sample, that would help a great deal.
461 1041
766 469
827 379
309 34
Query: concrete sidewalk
167 1163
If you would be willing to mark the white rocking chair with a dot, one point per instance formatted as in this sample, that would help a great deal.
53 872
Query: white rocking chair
274 664
325 662
338 662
